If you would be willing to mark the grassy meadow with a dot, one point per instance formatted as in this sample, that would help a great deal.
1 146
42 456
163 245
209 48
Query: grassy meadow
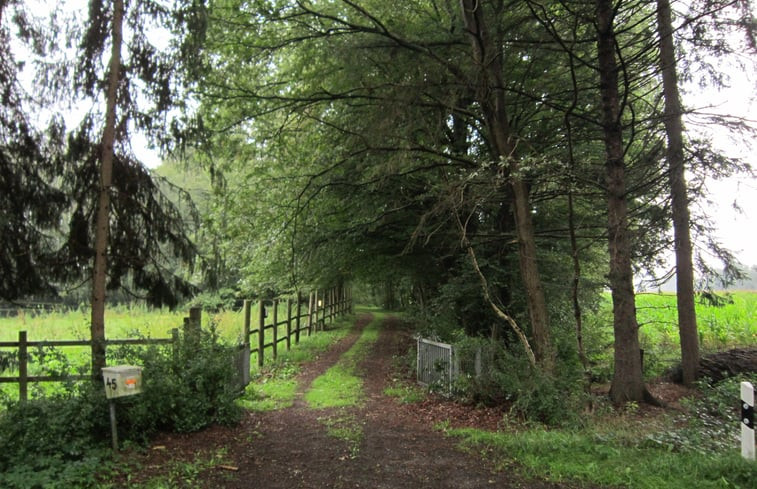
730 325
121 322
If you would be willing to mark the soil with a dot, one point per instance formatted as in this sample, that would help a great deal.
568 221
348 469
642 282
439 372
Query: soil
397 445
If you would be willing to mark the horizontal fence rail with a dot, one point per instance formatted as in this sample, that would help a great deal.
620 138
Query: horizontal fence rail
302 315
23 345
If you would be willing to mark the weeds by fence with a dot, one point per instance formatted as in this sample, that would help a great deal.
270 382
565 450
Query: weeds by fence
306 314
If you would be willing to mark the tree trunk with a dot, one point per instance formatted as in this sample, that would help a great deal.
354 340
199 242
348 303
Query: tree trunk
99 274
627 381
687 319
491 96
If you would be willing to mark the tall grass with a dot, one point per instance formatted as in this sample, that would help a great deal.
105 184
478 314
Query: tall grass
121 322
129 322
731 325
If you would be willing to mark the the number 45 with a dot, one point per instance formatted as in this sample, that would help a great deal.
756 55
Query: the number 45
111 383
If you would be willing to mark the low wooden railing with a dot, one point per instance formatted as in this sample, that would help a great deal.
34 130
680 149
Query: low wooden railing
322 308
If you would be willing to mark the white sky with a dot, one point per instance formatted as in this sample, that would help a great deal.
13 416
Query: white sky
736 230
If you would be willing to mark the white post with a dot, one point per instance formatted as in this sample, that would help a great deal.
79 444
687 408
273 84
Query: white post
747 420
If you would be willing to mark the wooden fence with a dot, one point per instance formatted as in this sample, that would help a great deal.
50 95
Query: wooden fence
23 345
303 314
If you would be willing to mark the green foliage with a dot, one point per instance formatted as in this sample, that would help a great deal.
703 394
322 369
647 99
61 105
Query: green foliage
709 422
597 458
215 301
55 442
507 378
186 388
62 440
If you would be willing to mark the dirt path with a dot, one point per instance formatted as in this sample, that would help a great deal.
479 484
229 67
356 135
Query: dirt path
395 446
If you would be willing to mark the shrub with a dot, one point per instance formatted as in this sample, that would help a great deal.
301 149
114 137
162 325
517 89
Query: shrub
63 440
186 387
54 442
507 378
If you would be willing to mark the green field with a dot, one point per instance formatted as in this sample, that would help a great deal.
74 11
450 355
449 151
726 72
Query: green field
731 325
120 323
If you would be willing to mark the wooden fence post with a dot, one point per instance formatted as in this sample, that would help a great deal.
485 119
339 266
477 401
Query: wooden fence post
289 323
322 309
193 324
175 343
310 313
297 323
261 331
330 302
246 331
23 393
275 328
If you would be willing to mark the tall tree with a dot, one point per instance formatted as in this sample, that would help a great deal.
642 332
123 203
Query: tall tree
687 319
627 381
102 224
490 93
30 202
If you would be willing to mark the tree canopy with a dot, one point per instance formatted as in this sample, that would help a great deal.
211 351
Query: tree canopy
494 165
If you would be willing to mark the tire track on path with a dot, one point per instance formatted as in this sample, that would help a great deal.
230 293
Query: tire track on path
397 448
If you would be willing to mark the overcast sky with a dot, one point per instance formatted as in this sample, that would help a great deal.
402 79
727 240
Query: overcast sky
737 230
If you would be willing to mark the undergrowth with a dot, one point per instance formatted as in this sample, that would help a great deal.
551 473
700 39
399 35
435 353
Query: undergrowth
62 441
695 449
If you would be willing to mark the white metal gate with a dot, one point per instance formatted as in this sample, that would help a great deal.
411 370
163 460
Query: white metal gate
437 365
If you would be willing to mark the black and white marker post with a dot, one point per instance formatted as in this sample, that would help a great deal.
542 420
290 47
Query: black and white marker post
747 420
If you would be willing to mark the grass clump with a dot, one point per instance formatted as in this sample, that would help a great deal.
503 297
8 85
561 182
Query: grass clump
341 385
345 427
274 386
404 392
695 450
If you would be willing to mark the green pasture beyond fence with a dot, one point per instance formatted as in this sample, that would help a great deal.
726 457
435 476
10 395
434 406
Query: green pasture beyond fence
277 321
